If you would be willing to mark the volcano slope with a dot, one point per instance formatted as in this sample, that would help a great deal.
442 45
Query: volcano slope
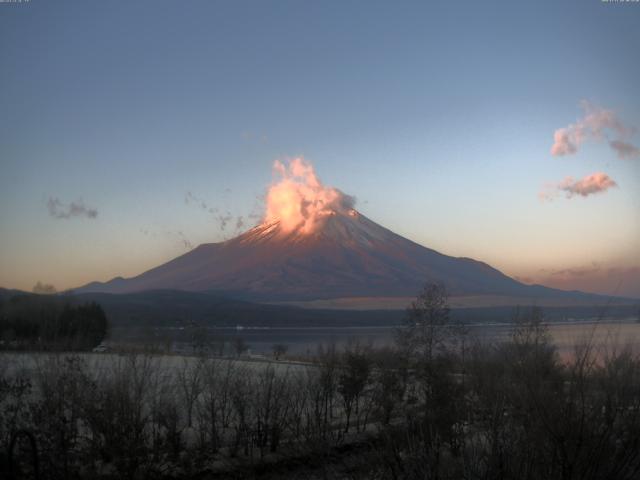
348 255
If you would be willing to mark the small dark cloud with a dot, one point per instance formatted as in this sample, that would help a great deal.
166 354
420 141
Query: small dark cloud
148 233
57 209
181 239
257 211
199 202
223 219
185 241
44 288
624 149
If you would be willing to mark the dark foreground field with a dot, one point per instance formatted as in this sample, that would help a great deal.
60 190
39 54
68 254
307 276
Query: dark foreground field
435 404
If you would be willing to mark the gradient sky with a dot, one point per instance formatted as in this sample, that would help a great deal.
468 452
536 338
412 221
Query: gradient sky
437 116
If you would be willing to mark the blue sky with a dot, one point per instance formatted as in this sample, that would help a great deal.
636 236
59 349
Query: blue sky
437 116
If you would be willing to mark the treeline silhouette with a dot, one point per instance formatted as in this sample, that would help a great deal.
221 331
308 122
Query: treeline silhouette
438 405
50 322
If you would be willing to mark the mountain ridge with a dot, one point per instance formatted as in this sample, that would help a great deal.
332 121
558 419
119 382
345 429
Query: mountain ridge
349 255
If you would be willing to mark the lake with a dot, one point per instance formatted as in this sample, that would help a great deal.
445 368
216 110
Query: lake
606 334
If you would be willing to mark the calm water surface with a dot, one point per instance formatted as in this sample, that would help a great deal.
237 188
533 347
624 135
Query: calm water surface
605 335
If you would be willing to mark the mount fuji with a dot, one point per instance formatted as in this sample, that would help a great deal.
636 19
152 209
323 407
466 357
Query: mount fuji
348 255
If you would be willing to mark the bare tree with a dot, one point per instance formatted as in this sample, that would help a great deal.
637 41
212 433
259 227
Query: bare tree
241 403
214 405
15 390
427 326
390 383
322 383
218 343
298 405
270 407
279 350
240 345
353 379
118 415
189 378
62 381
